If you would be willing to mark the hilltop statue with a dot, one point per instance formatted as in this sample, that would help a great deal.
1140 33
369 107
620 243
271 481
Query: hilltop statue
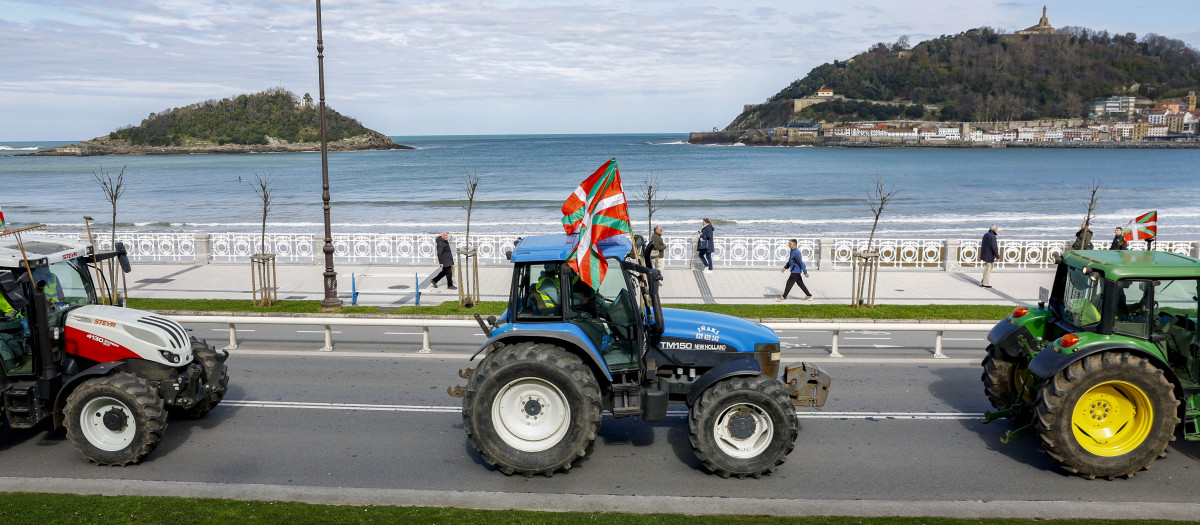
1042 28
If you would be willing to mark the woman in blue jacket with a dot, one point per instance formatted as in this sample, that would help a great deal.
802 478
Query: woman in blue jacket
704 246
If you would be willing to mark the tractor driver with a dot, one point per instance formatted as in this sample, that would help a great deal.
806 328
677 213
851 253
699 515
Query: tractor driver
547 296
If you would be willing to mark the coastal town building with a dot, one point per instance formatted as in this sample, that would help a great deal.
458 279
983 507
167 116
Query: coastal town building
1110 105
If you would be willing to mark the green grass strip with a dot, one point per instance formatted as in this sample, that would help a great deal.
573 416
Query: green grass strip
54 509
753 311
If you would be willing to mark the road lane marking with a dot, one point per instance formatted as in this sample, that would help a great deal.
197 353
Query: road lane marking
454 410
865 338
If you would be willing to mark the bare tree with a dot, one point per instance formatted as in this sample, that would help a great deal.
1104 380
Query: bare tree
1084 237
468 291
865 270
877 198
649 193
262 188
113 189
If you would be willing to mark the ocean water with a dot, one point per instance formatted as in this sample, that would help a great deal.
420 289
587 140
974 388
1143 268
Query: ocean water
802 192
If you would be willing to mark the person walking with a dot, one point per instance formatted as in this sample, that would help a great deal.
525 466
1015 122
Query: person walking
1083 238
657 248
1118 242
795 263
989 250
704 246
446 260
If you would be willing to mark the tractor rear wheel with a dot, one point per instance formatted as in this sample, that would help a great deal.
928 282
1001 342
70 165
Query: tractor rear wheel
1002 381
532 408
1109 415
116 419
743 426
215 377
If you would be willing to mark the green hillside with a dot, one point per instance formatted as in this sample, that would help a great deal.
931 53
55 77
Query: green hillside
985 75
244 119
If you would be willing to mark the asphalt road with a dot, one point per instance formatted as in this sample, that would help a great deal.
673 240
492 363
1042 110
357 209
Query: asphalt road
900 428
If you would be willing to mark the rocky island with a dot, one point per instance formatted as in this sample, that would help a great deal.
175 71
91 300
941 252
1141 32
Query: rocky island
272 121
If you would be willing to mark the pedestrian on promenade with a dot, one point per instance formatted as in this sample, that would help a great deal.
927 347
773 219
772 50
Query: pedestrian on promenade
704 246
795 263
1118 242
657 247
446 260
989 250
1083 238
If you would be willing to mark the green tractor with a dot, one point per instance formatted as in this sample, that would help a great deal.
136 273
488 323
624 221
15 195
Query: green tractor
1107 366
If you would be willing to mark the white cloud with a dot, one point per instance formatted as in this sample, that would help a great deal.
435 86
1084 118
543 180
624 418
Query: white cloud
451 66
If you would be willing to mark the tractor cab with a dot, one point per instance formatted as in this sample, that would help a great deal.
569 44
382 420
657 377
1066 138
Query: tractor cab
551 292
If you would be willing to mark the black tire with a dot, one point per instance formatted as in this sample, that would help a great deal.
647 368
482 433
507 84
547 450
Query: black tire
549 391
755 406
1129 398
124 419
1002 377
216 386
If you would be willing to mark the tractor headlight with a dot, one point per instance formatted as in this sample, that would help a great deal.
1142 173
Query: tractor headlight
169 356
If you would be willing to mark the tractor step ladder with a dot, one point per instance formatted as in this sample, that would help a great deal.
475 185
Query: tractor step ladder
1191 423
19 404
625 400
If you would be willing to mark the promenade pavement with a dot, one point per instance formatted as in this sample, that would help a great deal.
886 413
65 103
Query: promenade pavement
393 285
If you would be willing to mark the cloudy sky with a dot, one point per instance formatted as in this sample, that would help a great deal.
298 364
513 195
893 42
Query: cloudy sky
77 69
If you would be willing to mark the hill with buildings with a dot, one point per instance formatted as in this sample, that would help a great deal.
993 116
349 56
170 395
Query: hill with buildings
984 75
272 120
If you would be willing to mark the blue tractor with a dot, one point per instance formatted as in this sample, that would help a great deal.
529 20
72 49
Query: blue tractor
563 353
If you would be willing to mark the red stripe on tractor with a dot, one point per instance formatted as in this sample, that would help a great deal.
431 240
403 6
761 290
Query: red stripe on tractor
90 346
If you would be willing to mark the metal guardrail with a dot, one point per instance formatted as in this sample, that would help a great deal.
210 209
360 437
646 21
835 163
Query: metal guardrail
425 324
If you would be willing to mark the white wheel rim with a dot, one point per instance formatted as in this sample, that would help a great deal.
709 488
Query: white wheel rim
743 431
531 414
91 420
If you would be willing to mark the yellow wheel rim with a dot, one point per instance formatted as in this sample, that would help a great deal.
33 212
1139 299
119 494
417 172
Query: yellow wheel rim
1112 419
1018 382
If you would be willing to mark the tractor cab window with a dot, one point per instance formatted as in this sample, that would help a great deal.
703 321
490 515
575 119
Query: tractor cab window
1176 303
539 292
609 316
1133 308
15 356
1082 298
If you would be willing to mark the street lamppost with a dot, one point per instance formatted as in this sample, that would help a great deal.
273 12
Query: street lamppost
330 277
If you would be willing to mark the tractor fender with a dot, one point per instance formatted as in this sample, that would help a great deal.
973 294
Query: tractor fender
1014 340
728 369
571 342
1050 362
99 370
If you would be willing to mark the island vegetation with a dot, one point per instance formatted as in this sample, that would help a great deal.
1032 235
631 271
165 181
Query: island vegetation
274 120
986 74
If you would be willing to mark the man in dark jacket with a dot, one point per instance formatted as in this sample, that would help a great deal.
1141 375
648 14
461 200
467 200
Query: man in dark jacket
446 260
989 250
795 263
1118 242
1083 238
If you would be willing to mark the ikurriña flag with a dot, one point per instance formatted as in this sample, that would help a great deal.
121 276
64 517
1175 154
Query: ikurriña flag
1 219
595 211
1143 227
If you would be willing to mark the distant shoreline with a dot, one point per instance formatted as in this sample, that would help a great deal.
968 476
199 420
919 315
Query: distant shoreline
763 139
106 147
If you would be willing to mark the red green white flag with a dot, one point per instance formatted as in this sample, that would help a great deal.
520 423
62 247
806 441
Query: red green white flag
1 219
595 211
1143 227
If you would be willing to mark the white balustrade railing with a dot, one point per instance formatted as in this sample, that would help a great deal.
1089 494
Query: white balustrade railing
733 251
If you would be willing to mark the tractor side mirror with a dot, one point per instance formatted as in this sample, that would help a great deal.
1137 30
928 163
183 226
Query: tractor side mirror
123 256
12 292
1158 338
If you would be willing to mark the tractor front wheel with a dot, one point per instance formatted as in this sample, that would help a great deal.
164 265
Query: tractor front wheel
532 408
1107 415
116 419
743 426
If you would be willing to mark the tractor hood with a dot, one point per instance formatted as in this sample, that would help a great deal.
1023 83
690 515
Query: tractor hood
739 333
109 333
